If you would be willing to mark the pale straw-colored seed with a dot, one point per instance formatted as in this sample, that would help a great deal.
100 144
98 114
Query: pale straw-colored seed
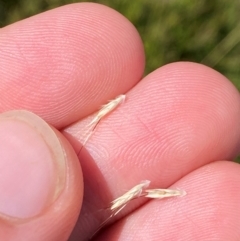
118 204
163 193
136 192
140 191
105 110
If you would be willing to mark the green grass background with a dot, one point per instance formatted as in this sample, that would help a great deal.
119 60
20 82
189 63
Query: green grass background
203 31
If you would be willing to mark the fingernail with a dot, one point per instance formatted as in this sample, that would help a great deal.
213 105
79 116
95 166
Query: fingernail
32 165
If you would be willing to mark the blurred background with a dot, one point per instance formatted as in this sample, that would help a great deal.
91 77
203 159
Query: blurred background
203 31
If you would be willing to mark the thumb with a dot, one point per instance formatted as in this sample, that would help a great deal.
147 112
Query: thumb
41 183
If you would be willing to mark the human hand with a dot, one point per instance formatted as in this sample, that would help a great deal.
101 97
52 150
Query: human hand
178 126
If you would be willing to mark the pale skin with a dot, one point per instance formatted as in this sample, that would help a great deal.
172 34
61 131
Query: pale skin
179 126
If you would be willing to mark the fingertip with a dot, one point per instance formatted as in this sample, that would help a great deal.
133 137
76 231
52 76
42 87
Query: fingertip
193 99
68 61
41 182
209 211
215 98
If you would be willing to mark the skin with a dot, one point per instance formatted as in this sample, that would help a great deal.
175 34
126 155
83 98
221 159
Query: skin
179 127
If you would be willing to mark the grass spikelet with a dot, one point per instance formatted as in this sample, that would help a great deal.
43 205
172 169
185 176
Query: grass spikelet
163 193
105 110
138 191
119 203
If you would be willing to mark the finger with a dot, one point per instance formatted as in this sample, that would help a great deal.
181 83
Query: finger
178 118
41 182
63 64
209 211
